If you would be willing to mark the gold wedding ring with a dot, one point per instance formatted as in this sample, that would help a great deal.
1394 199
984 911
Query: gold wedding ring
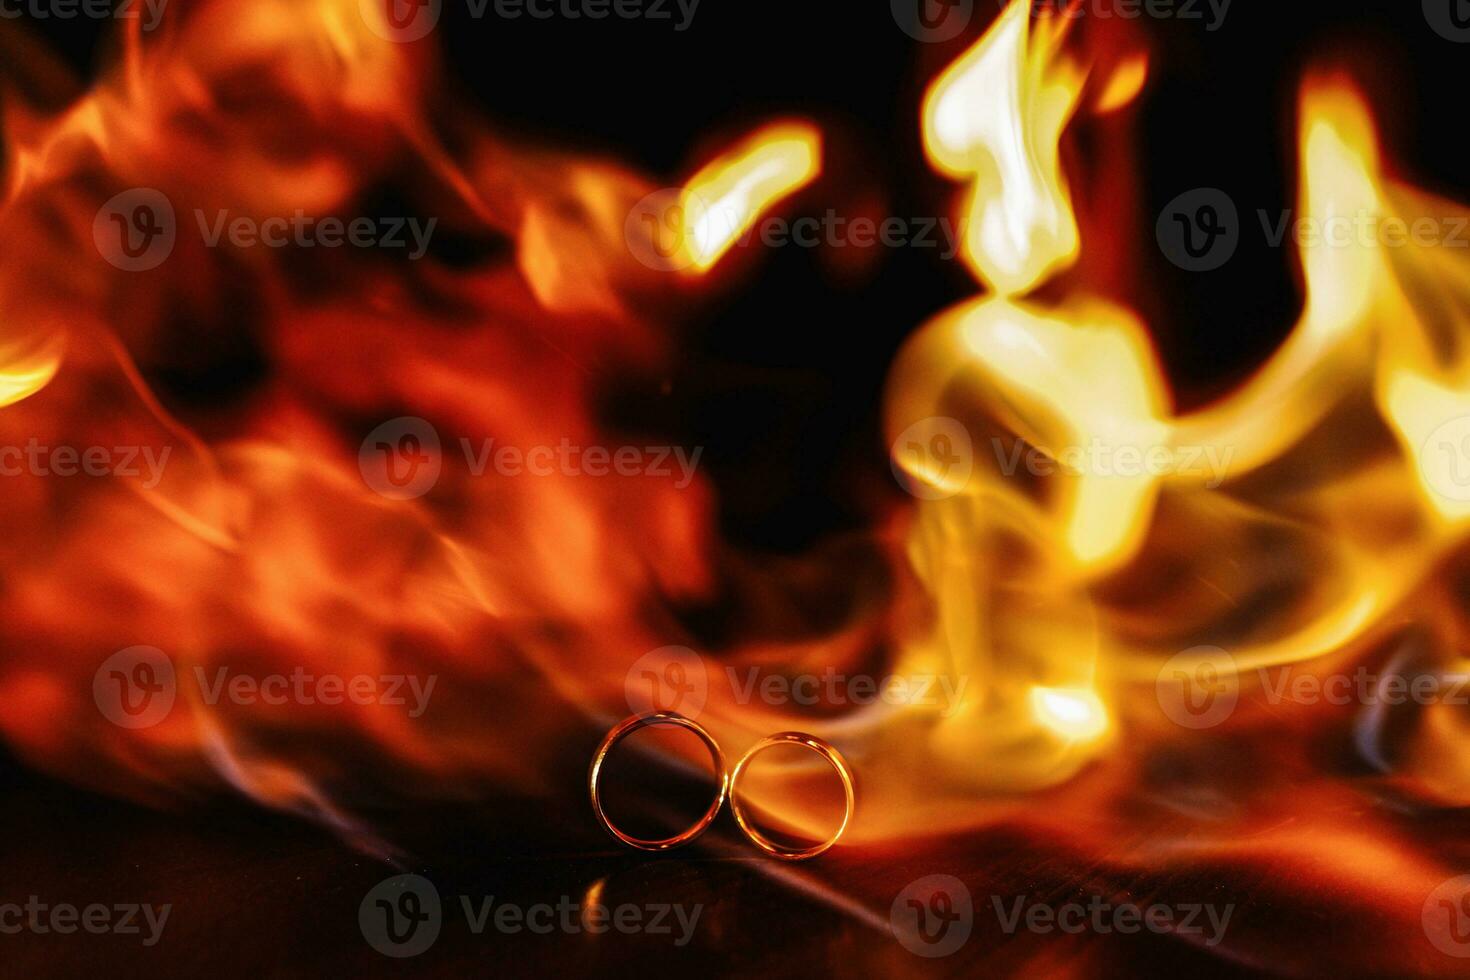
817 745
628 727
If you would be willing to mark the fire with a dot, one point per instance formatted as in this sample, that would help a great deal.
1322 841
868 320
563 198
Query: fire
727 196
996 117
1076 379
1072 714
1299 520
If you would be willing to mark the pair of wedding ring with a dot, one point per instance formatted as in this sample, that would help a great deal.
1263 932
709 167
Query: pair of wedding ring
728 786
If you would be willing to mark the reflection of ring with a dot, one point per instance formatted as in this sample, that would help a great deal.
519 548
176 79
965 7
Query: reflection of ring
825 751
628 727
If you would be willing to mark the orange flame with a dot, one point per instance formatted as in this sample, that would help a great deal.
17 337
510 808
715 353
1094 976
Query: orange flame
1055 595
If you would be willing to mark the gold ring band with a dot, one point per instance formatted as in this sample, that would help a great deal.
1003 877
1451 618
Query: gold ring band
833 757
629 726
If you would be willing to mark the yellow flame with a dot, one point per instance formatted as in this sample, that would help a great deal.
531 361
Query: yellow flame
996 118
727 196
28 365
1342 512
1075 714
